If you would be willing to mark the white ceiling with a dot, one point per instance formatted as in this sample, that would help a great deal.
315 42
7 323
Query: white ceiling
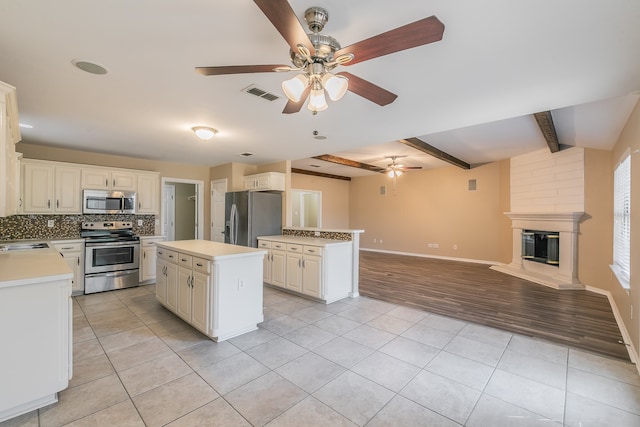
470 95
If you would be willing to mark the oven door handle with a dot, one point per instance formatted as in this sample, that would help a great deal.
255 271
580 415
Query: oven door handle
116 273
111 244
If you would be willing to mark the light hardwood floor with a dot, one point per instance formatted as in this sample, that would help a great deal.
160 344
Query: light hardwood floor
475 293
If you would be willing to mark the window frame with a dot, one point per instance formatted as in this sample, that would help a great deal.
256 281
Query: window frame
621 266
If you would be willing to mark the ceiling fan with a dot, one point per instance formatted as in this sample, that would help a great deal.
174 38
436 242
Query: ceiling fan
396 169
316 55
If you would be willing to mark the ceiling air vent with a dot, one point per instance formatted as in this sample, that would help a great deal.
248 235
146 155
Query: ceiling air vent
260 93
246 154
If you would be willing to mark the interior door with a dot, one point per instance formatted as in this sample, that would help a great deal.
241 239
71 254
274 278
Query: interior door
218 190
169 213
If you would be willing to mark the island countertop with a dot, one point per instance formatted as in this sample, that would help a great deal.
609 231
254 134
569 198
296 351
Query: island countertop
315 241
24 267
210 250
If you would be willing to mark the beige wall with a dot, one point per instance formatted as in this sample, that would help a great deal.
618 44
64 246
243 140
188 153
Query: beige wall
435 206
335 198
628 302
166 169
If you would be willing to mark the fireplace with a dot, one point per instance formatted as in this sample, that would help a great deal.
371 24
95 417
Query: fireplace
541 246
548 257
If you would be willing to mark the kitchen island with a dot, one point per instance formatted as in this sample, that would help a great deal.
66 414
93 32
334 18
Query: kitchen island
215 287
36 328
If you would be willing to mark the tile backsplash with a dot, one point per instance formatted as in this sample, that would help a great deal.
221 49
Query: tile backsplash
335 235
19 227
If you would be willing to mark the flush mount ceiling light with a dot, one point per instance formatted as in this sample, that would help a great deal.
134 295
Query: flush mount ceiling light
89 67
204 132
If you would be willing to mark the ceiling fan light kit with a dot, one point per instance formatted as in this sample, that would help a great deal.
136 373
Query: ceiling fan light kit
315 55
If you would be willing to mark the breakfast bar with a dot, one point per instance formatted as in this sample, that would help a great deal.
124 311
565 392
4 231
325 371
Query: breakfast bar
215 287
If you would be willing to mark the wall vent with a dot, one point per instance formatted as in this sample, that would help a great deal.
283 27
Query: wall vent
383 190
246 154
472 185
260 93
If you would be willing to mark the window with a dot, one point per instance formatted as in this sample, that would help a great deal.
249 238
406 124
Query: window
622 221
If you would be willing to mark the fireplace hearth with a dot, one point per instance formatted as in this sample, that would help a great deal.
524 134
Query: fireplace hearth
548 257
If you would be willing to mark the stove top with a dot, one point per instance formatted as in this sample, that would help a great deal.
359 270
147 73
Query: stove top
108 231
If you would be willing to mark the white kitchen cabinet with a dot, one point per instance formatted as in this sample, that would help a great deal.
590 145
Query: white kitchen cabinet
218 286
267 181
148 257
318 268
9 160
274 263
161 278
148 194
49 187
73 253
108 179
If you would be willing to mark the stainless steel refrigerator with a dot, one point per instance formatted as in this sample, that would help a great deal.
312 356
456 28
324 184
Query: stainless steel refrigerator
249 214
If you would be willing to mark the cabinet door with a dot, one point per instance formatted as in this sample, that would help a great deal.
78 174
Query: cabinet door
67 190
172 286
95 179
73 261
124 181
278 269
266 269
312 275
184 293
148 264
250 183
294 272
161 281
38 188
148 192
200 301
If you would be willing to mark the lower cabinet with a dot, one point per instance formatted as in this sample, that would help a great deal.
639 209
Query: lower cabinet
73 254
321 270
148 258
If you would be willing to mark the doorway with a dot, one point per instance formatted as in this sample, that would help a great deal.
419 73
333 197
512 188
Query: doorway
218 190
182 208
306 206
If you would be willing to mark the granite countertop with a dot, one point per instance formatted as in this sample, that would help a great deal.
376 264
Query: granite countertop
210 250
328 230
25 267
315 241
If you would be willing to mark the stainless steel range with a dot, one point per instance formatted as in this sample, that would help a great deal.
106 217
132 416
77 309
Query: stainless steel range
112 256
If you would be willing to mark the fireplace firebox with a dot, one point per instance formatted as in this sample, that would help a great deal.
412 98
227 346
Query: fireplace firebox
541 246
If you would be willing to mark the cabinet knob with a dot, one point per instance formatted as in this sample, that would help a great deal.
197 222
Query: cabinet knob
48 203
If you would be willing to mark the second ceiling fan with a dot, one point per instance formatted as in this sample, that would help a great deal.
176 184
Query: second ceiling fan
316 55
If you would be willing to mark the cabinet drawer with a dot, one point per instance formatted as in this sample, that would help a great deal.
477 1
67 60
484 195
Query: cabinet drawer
294 248
185 260
278 245
171 255
313 250
68 247
264 244
202 265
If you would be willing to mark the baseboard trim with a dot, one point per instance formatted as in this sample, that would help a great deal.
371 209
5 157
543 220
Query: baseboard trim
633 355
474 261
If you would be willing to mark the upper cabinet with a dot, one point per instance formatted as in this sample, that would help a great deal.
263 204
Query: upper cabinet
107 179
268 181
50 187
148 193
9 161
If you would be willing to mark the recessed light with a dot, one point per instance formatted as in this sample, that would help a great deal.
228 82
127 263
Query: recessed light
89 67
25 126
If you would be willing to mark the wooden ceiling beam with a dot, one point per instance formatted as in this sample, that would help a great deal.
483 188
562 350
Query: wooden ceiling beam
545 122
435 152
346 162
320 174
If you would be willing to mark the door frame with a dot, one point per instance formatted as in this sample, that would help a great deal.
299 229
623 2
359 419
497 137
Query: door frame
212 210
169 206
199 201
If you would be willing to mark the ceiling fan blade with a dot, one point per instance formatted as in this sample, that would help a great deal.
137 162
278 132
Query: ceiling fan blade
237 69
424 31
411 167
294 107
368 90
282 16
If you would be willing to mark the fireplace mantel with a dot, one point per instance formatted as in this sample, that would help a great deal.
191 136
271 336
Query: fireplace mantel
565 275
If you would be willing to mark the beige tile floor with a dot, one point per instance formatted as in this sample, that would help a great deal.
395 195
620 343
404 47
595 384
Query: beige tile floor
354 362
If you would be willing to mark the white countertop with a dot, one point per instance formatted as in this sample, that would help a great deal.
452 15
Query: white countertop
26 267
210 250
315 241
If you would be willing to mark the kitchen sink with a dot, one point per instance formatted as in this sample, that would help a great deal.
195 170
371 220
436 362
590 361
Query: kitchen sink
21 246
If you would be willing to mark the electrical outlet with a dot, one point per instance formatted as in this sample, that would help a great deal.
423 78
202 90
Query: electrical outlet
316 233
380 240
157 222
375 240
140 222
51 223
455 247
240 284
436 245
429 245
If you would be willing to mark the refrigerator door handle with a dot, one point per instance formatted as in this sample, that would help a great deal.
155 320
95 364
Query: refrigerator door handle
236 225
232 223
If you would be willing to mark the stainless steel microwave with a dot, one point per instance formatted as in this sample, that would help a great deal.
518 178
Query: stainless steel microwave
108 202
